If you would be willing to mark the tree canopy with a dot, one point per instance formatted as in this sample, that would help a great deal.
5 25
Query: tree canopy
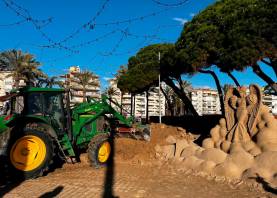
229 34
232 35
144 69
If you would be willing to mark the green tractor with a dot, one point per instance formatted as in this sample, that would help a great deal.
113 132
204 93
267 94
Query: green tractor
41 127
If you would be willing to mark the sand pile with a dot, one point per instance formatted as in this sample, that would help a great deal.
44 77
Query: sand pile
243 160
127 149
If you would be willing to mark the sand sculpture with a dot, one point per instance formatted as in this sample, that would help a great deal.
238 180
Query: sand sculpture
242 145
248 125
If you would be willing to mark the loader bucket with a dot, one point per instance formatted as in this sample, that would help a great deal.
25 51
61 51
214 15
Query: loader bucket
145 131
138 132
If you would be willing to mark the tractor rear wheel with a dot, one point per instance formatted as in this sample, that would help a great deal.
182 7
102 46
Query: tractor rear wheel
99 150
31 154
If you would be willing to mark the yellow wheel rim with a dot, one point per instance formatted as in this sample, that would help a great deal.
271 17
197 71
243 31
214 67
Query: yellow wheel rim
28 153
104 152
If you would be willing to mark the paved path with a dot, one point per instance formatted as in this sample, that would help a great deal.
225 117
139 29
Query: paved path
130 181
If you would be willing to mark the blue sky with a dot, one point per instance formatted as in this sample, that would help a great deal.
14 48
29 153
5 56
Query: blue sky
103 47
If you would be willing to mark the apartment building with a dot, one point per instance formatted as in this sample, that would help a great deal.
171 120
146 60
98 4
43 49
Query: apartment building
76 89
139 104
205 101
271 102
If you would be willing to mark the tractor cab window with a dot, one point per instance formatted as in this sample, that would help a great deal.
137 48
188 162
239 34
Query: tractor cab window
52 103
34 104
54 108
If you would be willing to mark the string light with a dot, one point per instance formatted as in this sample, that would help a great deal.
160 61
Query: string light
170 4
91 24
88 25
38 24
26 15
131 20
13 24
149 38
83 44
124 36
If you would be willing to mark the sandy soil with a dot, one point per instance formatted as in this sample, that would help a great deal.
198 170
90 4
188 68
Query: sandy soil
136 173
130 180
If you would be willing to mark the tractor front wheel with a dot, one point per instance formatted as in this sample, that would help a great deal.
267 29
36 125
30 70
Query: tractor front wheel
31 154
99 150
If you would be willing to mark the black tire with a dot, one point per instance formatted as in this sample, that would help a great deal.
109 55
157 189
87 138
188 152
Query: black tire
93 150
47 159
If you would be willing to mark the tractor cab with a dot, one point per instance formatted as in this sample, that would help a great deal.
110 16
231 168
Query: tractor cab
45 104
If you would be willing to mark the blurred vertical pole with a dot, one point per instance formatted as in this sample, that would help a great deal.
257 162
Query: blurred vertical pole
160 115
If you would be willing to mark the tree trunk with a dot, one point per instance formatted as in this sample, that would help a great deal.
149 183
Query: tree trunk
168 102
272 63
233 78
218 86
147 107
257 70
182 96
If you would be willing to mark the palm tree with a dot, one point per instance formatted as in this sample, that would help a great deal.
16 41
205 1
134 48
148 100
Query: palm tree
50 82
85 79
111 91
23 66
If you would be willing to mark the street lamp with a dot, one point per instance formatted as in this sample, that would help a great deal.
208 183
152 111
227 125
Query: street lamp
160 114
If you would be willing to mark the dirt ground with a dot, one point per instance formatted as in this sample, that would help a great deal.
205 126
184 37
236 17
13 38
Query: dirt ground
135 173
130 180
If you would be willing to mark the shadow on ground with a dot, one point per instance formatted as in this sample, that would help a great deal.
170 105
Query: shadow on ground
109 175
266 186
52 193
7 180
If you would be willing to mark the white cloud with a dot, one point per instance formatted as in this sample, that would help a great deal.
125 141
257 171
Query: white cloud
107 78
192 14
181 20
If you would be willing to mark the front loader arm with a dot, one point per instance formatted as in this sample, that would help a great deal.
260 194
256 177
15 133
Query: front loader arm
99 108
96 109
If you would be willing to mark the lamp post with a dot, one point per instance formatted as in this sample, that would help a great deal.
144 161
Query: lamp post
160 115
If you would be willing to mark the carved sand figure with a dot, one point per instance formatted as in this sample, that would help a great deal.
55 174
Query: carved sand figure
242 145
239 134
254 101
247 124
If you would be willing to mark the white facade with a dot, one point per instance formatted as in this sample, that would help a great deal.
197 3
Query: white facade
6 83
205 101
271 102
139 106
77 90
